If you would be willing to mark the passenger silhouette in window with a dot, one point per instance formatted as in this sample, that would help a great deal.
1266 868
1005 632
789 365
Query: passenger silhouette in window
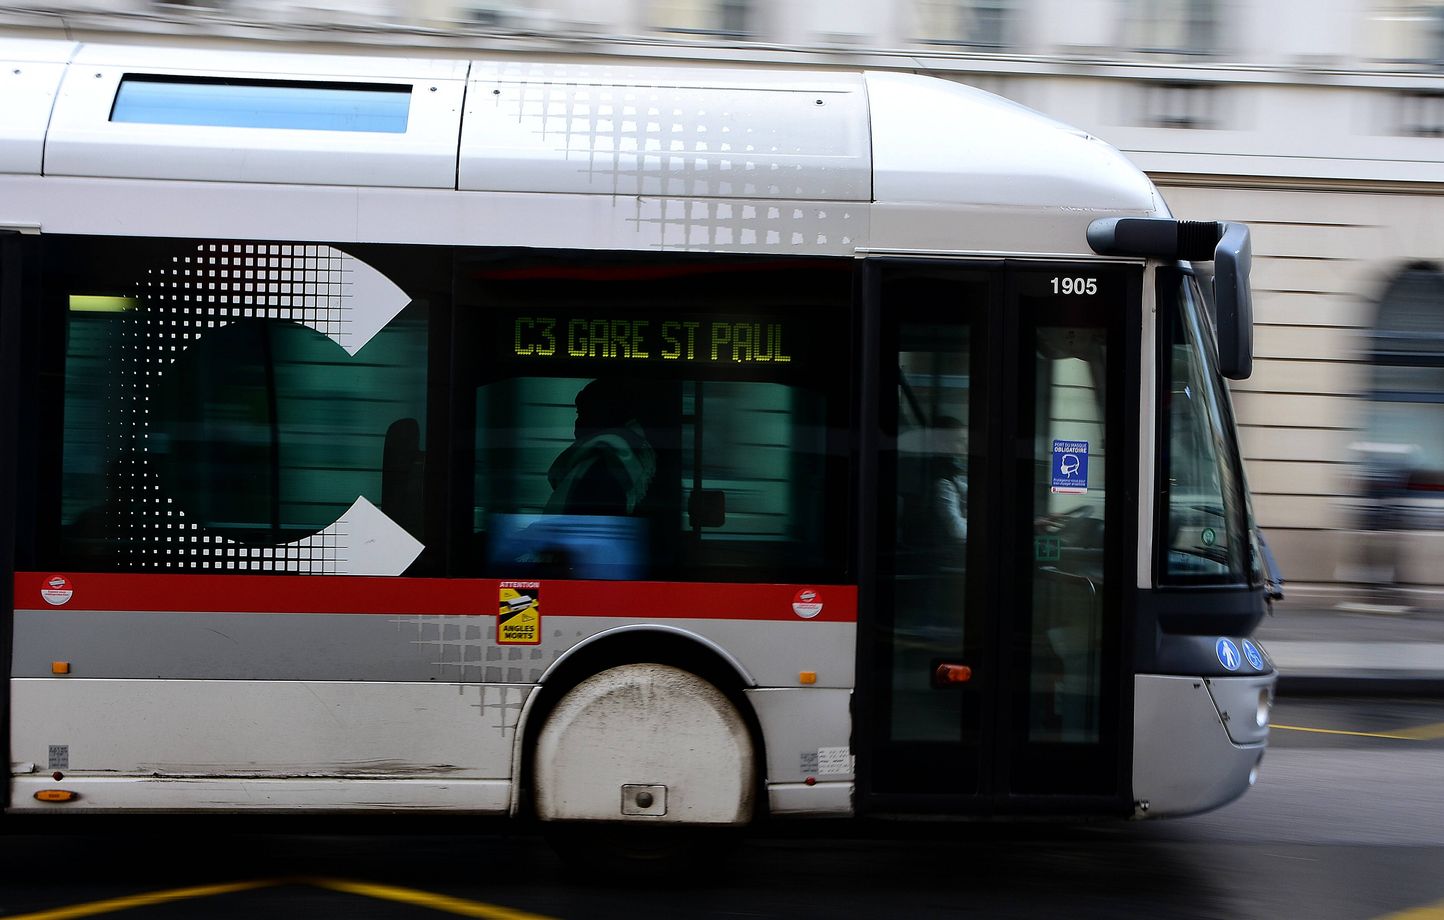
610 466
948 500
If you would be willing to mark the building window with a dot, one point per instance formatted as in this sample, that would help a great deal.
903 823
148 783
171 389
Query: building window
974 23
1409 33
1172 26
1180 105
1421 114
723 18
1403 449
189 5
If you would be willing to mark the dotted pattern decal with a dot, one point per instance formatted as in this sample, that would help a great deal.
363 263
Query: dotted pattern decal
226 281
688 159
467 651
217 284
674 142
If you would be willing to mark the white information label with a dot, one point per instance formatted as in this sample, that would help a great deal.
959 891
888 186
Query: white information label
833 761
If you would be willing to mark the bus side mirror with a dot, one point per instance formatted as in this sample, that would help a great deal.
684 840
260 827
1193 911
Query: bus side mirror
1224 243
1232 259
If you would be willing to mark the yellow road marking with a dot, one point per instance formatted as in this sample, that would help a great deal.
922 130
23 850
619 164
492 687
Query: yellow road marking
1335 731
143 900
1427 912
384 892
424 899
1422 733
1425 732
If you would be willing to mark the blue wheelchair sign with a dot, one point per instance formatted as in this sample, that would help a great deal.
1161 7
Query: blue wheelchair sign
1255 658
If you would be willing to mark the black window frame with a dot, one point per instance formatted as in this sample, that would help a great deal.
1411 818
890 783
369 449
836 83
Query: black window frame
120 114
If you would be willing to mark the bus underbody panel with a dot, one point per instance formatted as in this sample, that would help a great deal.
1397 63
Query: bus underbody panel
252 794
265 729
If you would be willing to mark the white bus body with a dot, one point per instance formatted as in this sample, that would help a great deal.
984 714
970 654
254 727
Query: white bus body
211 699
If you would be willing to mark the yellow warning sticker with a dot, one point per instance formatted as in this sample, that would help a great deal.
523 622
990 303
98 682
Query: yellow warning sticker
518 618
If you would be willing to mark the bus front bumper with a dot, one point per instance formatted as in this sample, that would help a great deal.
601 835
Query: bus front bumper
1197 741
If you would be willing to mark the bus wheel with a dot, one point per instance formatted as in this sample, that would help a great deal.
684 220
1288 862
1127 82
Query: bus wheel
644 747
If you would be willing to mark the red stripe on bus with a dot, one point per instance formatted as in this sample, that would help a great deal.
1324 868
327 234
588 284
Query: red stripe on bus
640 600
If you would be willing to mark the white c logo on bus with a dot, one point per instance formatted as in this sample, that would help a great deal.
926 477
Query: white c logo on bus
349 302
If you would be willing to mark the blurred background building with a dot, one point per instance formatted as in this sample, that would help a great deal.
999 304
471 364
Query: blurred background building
1319 122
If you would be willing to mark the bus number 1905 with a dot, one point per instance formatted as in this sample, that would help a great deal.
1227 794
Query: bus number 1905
1079 286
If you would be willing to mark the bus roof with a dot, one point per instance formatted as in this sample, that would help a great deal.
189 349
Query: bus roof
880 159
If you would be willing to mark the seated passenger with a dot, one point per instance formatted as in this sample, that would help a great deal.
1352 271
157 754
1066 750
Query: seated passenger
610 466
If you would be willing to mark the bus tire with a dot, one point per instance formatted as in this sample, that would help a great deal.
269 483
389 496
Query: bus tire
645 745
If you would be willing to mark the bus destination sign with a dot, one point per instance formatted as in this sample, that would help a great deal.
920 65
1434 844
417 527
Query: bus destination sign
680 340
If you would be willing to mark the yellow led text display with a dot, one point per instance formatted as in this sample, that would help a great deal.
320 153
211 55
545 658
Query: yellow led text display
681 340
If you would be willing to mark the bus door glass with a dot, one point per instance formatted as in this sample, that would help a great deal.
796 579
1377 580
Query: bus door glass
930 598
1000 539
1064 565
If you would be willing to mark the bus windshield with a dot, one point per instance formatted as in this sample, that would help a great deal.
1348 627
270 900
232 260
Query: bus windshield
1205 514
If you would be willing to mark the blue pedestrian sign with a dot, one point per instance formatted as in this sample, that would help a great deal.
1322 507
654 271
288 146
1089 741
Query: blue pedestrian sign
1251 652
1228 655
1070 467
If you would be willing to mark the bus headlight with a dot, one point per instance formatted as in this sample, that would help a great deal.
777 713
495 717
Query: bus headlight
1265 703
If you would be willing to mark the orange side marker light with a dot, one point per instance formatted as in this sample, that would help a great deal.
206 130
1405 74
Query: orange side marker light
56 795
953 674
59 667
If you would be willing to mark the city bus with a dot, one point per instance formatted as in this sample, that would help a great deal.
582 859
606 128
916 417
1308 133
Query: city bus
610 444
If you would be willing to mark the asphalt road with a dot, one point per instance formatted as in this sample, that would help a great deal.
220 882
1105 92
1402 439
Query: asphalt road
1347 822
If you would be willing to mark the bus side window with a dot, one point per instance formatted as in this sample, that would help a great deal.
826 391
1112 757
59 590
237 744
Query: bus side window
701 479
575 477
760 445
204 433
734 375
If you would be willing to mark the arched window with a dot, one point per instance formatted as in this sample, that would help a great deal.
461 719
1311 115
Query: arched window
1404 446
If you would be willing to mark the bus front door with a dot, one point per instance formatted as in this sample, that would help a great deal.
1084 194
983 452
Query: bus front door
992 669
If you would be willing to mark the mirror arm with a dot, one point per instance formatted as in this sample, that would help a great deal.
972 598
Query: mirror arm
1225 244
